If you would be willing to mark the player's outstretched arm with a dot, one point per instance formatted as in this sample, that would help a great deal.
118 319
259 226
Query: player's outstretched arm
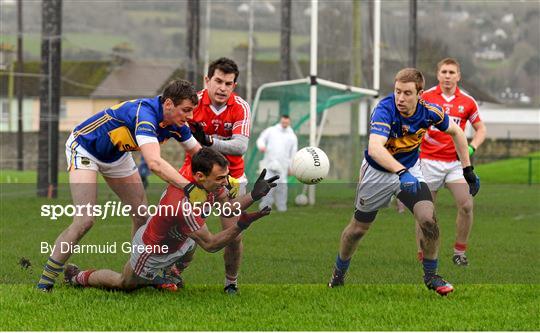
215 242
236 145
152 155
193 150
260 189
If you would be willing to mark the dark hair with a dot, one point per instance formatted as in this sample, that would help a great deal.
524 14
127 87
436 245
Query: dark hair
407 75
286 116
179 90
205 159
226 65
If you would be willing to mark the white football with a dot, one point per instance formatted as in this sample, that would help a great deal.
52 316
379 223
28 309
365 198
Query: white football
310 165
301 199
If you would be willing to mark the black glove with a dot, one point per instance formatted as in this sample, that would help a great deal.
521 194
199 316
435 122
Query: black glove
198 133
246 218
263 186
472 179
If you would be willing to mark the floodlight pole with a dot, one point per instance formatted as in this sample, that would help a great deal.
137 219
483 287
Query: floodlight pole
313 87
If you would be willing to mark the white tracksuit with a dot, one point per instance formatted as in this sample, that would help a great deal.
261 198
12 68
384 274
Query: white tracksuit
280 145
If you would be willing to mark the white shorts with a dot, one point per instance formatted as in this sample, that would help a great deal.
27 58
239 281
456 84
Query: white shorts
376 188
438 173
79 158
149 265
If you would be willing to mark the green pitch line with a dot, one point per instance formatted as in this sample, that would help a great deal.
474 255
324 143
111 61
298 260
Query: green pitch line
274 307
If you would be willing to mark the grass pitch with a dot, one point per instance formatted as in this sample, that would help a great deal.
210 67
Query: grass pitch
287 261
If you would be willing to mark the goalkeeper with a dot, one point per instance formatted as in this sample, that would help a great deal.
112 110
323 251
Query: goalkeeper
169 238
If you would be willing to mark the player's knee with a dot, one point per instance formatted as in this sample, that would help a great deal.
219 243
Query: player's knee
187 258
466 206
235 244
139 220
424 214
356 230
127 283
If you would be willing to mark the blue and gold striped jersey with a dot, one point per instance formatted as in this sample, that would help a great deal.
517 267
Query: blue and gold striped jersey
404 133
111 133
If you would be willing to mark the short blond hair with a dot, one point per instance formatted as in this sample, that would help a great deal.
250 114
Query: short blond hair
448 61
407 75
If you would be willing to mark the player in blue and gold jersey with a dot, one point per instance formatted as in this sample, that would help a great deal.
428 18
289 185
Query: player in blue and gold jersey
103 143
391 167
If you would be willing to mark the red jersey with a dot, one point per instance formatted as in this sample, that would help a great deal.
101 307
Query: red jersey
437 145
176 219
232 118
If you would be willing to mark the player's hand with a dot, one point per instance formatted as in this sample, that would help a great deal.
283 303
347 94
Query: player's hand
472 150
263 186
246 218
472 179
198 133
233 186
195 193
409 183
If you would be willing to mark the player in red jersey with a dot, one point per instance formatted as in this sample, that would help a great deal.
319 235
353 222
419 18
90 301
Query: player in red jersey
172 235
221 121
439 161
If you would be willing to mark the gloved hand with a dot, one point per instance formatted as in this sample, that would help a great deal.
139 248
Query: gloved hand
246 218
195 193
263 186
472 179
472 150
409 183
233 186
198 133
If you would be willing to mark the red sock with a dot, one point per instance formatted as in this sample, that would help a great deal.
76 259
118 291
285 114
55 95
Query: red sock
420 255
82 277
460 248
